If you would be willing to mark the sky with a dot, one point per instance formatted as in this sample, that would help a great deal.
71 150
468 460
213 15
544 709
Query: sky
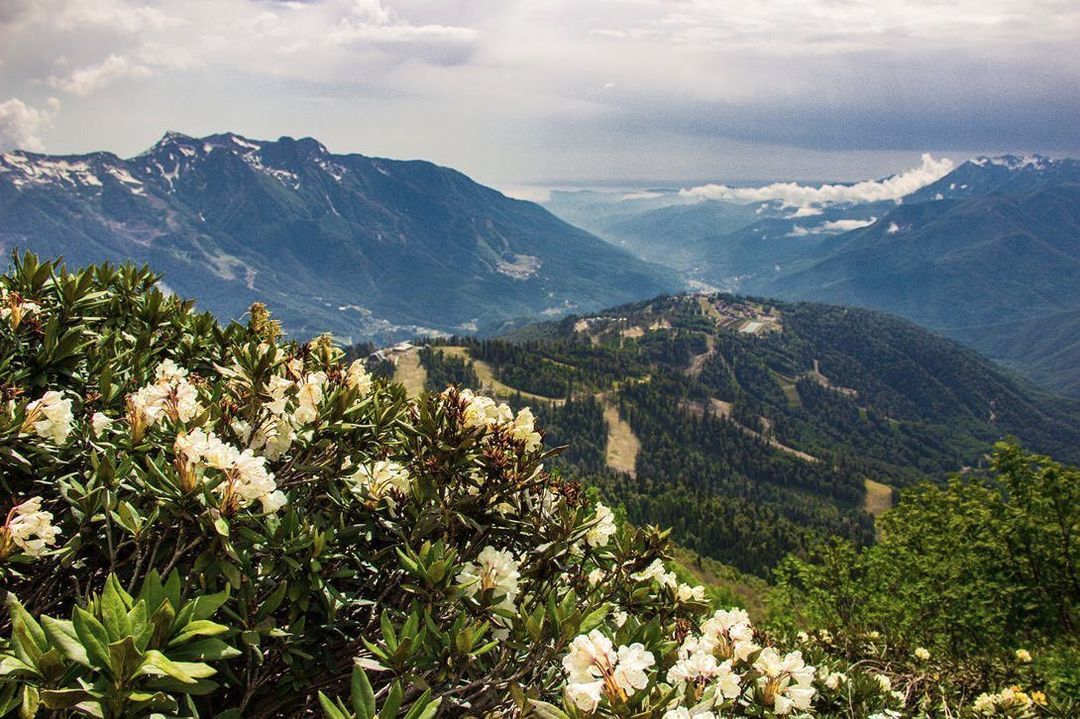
521 93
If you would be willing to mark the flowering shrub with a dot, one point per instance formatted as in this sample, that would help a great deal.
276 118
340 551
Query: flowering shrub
202 520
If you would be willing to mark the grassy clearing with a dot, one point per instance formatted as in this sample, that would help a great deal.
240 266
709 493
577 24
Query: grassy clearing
488 381
878 498
622 444
410 373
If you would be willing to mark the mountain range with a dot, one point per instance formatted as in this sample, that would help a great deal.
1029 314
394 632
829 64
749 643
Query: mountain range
391 248
988 254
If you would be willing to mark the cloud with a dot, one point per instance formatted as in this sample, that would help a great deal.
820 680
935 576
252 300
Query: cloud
830 227
21 124
86 80
794 195
846 225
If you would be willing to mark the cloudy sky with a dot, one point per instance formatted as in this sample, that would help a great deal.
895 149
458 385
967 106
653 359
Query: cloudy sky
520 92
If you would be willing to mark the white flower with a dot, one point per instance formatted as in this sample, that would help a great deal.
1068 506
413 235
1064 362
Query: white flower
588 657
595 576
629 672
594 668
379 478
883 682
246 478
495 570
656 572
308 397
279 437
100 423
168 372
278 389
523 429
685 593
620 618
604 527
833 680
922 653
481 411
585 695
29 528
50 417
251 480
787 680
727 681
274 501
357 378
698 666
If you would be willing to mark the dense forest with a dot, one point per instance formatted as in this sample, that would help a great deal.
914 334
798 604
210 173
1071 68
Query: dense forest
753 444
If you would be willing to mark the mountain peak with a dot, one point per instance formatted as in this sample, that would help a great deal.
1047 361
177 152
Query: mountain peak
1015 162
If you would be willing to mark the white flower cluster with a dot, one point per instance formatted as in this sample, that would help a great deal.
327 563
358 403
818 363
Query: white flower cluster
788 682
1011 701
246 477
481 411
682 592
493 570
380 477
832 680
604 528
171 395
28 528
50 417
14 308
595 670
357 378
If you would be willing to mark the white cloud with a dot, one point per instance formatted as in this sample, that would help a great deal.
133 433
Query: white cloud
830 227
846 225
642 195
21 124
86 80
795 195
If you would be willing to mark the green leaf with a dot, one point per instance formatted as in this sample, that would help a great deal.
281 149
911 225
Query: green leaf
124 657
93 637
547 711
363 696
204 650
392 702
156 664
424 708
62 635
198 628
64 698
114 610
31 700
329 710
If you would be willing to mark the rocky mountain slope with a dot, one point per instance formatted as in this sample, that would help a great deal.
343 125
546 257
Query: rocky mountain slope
366 247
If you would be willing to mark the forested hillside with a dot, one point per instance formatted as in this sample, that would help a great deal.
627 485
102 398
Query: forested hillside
750 427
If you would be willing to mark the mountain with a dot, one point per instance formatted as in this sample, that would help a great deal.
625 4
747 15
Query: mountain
998 269
390 247
988 254
753 426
